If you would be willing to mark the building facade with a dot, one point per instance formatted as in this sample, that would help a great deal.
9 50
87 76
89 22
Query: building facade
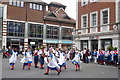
97 24
34 24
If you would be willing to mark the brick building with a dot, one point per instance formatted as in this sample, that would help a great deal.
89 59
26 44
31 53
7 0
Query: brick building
97 24
33 24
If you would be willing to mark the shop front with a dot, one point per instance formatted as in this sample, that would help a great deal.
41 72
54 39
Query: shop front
15 43
52 43
67 44
34 43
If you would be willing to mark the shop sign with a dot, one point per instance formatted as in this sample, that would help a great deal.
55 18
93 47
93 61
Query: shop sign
67 42
15 39
32 42
52 41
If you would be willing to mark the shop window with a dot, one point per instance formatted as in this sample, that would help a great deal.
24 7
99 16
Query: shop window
52 32
67 33
35 30
15 29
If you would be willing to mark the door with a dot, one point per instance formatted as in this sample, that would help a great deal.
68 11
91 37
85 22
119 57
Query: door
94 45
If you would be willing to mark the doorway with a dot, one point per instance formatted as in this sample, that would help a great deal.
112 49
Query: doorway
94 45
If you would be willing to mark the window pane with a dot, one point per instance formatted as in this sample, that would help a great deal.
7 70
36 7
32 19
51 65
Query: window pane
31 5
40 7
22 4
14 2
34 6
18 3
10 2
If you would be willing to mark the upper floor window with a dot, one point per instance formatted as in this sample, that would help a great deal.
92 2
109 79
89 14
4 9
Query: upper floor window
84 21
91 1
84 2
93 19
18 3
35 6
46 8
105 16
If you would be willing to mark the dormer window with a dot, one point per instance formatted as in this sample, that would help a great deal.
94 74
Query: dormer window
35 6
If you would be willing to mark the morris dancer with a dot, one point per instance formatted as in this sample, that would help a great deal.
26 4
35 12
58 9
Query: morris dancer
76 60
36 58
52 63
42 53
13 58
62 60
109 58
27 59
115 57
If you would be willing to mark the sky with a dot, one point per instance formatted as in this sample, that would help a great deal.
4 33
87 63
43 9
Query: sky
70 9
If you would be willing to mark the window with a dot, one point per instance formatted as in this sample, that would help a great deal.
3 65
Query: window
35 30
93 19
46 8
67 33
16 3
105 16
31 5
84 2
35 6
40 7
52 32
91 1
1 20
15 29
84 21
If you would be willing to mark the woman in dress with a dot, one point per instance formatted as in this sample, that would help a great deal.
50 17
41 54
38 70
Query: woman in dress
76 60
13 58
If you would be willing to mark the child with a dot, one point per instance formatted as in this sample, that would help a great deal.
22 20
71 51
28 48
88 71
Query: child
52 63
76 60
13 58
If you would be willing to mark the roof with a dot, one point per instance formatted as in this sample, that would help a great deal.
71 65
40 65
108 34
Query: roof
56 16
57 4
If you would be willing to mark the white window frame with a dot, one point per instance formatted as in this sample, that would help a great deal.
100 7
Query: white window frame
83 1
82 20
22 4
40 7
46 8
101 14
34 6
91 22
30 5
37 7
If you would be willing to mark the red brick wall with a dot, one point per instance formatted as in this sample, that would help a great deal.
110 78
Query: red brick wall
97 6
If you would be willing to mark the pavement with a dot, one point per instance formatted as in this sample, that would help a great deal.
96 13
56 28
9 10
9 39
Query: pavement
89 70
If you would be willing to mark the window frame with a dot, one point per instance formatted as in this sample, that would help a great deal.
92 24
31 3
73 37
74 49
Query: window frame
82 1
101 14
91 19
82 20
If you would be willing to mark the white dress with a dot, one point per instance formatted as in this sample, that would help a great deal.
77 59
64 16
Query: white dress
62 59
27 58
76 59
13 58
52 61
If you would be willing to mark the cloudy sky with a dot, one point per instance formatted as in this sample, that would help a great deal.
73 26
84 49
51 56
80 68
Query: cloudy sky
71 6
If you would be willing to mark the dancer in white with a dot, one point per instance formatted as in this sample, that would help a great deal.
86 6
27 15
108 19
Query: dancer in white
76 60
52 63
62 60
13 58
27 59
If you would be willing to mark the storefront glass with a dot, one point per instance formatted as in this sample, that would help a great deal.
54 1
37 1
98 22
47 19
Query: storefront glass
15 29
35 30
67 33
52 32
